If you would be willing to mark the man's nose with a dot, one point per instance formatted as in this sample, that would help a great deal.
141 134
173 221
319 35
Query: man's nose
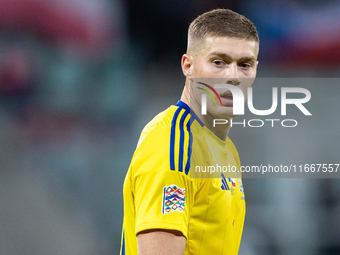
232 75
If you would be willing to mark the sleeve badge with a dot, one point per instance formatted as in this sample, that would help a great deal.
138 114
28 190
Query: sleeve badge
173 199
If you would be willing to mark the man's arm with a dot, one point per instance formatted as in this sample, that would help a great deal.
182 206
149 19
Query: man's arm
165 242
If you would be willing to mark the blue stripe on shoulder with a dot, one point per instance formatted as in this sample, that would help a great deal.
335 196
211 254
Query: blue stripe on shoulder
187 167
172 139
181 142
181 105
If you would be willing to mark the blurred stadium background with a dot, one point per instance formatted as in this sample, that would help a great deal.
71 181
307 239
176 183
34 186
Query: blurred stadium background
80 78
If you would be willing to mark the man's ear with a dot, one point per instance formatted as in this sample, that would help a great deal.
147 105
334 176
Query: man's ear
187 65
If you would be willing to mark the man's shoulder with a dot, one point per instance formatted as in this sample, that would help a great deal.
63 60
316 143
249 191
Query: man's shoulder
166 140
159 126
169 123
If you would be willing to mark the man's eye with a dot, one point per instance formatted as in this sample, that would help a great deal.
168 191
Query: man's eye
218 62
245 65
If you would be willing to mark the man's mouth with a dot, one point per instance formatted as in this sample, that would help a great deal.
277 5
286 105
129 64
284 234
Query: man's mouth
227 98
227 93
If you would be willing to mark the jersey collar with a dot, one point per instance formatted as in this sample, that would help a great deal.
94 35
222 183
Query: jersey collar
183 105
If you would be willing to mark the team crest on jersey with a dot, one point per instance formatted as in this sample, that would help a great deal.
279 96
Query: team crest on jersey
233 182
173 199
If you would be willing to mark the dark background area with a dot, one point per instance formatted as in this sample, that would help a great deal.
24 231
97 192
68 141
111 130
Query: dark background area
79 80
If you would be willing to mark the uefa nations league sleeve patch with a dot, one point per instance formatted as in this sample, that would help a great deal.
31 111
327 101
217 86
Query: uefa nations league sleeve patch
173 199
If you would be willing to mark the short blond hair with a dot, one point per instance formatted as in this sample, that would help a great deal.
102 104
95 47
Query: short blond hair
220 23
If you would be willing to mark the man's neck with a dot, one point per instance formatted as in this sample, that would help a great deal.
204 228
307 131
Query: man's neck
221 131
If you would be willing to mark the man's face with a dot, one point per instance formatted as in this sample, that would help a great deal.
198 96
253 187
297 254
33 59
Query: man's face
229 61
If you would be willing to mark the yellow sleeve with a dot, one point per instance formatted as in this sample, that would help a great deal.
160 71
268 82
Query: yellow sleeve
163 200
163 196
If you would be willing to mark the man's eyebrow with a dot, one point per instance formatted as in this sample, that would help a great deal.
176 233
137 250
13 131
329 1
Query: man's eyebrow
220 54
226 56
247 59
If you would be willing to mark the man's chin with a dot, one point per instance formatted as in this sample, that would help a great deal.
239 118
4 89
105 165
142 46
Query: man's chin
225 114
226 117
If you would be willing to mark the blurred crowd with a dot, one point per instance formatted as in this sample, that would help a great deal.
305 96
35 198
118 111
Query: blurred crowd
78 81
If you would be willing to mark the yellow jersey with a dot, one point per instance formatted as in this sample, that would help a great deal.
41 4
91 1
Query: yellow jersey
167 185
